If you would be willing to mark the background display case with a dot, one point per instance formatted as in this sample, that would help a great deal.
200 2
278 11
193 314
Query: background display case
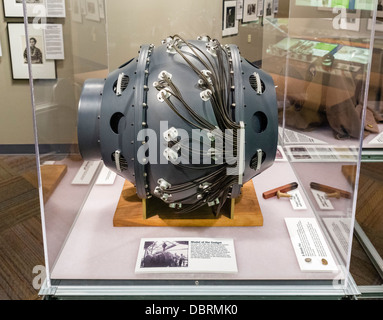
326 68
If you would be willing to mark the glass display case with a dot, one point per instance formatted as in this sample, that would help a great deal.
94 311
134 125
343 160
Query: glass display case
289 229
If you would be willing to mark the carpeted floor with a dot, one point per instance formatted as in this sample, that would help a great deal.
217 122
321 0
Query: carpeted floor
21 244
369 215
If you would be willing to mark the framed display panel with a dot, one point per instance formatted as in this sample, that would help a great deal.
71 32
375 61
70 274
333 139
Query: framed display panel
76 11
315 128
229 21
268 9
300 248
41 67
92 10
14 8
35 8
250 10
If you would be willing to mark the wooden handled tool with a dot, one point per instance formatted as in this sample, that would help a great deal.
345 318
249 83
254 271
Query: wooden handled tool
330 190
282 189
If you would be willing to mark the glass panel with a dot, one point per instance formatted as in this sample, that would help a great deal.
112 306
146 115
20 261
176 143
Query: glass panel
20 226
68 45
117 76
320 59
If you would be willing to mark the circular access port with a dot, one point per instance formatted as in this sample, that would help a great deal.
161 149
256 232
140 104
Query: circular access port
259 122
117 122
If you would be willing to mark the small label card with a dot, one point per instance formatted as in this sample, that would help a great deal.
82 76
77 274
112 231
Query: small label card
296 200
184 255
323 202
378 139
106 177
55 8
309 245
47 163
280 155
86 172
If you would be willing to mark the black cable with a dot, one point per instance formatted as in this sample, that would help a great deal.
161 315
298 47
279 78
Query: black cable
218 81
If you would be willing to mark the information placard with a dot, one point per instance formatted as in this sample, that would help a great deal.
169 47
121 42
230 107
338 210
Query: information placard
184 255
310 247
54 42
86 172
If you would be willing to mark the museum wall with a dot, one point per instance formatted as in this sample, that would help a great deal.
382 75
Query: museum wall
129 26
133 25
85 51
15 107
56 100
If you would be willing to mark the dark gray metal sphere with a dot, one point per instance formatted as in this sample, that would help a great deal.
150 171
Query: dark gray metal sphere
188 122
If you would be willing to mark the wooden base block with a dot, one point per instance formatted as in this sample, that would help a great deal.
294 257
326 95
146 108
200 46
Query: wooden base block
349 171
131 212
51 176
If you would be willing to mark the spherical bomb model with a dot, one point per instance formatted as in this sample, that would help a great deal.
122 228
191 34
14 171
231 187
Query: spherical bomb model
188 122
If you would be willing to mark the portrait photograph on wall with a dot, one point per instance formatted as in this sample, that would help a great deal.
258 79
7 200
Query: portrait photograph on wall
250 11
41 67
76 11
268 9
230 22
35 8
14 8
92 10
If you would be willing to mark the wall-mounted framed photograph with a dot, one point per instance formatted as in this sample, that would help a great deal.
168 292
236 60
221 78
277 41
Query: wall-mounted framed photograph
41 67
260 8
250 11
83 7
268 9
76 11
230 22
14 8
35 8
92 10
101 6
